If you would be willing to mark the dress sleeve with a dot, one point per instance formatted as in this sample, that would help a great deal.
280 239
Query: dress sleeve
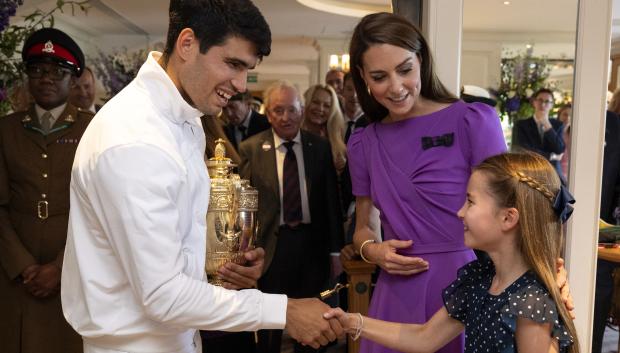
358 167
534 303
468 283
483 135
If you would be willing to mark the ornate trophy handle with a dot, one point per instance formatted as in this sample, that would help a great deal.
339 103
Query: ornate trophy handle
328 293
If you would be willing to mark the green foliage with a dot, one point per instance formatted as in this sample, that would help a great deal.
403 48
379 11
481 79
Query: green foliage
521 76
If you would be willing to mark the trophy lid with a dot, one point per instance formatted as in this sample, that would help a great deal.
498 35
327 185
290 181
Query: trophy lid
219 165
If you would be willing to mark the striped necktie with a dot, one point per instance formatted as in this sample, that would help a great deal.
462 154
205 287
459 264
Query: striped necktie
46 122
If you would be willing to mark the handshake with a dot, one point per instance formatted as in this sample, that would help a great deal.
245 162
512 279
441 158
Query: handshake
313 323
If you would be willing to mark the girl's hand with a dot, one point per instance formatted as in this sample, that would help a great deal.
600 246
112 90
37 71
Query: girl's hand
348 321
384 254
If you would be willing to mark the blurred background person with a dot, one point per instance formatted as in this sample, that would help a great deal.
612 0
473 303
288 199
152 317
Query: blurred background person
82 94
243 121
322 116
541 134
214 129
564 115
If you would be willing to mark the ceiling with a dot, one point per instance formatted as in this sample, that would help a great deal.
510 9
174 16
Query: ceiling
300 31
289 18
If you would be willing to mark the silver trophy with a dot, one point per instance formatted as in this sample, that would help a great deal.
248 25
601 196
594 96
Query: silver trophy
231 219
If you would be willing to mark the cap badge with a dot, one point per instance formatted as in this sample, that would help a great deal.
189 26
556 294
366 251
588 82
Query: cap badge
49 47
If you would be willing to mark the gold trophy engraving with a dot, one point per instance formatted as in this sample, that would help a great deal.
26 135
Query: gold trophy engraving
231 218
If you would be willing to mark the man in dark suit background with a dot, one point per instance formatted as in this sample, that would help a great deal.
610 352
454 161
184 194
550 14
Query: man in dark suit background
541 134
299 211
610 202
243 121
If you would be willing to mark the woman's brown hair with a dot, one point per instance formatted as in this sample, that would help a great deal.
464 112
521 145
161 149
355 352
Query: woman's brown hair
528 182
387 28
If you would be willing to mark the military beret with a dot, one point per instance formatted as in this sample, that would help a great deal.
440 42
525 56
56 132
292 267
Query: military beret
51 44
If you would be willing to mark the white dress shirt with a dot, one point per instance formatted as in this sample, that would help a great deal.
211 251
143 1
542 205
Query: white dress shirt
299 154
133 278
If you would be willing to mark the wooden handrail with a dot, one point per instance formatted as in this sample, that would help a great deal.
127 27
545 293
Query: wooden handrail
358 276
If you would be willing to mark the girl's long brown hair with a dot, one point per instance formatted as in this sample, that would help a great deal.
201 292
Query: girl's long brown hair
527 182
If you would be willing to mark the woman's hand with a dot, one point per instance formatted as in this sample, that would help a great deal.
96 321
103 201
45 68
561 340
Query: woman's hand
349 322
384 254
562 282
339 162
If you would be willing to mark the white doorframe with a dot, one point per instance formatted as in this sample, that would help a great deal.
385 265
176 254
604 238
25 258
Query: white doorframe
443 29
442 26
586 158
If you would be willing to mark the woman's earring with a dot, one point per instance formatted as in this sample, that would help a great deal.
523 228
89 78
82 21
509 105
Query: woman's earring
368 89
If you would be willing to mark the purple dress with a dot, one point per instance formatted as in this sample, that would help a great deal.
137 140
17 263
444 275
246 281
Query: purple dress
419 183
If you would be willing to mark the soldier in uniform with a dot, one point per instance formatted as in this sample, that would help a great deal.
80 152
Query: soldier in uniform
37 147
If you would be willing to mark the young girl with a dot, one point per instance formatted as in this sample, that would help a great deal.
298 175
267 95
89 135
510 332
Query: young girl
514 211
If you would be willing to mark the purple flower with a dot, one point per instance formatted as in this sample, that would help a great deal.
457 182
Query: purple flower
513 104
8 9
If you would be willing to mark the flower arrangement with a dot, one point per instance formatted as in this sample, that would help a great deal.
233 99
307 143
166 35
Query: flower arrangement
117 69
521 76
12 37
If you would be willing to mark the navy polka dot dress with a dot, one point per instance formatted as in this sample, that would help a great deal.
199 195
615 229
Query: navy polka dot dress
491 320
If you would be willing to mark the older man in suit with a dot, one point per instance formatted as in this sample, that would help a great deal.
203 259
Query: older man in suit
243 121
36 153
299 210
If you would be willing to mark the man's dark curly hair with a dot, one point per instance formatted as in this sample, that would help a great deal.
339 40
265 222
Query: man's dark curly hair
214 21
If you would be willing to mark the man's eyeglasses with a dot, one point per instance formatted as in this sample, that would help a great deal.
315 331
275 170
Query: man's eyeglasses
55 73
279 111
543 101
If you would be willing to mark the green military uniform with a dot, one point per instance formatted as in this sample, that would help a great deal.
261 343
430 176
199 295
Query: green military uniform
35 172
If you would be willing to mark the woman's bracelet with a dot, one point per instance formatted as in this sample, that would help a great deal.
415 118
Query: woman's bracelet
362 249
360 326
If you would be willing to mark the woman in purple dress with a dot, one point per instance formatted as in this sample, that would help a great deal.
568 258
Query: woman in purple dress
412 163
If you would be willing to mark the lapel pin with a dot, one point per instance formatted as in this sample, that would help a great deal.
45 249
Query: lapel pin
266 146
69 119
26 119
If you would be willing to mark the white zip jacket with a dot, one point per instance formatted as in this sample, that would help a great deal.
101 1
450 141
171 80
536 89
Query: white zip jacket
133 276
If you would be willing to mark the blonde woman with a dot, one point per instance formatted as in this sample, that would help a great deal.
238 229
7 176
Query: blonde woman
322 116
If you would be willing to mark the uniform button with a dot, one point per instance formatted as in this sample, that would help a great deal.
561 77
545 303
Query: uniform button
45 175
43 155
44 196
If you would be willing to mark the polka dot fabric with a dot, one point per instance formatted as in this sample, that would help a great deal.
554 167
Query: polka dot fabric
491 320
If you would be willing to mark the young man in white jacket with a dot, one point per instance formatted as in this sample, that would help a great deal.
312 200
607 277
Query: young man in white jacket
133 276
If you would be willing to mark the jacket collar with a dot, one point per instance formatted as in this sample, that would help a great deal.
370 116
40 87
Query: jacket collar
166 96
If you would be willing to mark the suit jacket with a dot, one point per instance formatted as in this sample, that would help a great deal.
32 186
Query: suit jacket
35 172
258 123
610 186
346 193
258 164
527 137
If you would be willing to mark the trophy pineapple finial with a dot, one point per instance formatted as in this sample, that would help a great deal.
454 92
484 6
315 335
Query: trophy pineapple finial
220 149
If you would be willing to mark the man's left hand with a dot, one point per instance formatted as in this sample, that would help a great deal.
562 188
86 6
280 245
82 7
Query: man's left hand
239 277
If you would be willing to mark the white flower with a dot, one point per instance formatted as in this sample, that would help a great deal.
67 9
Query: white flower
511 94
529 92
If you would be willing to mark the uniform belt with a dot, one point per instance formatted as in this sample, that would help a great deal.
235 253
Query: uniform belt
42 209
